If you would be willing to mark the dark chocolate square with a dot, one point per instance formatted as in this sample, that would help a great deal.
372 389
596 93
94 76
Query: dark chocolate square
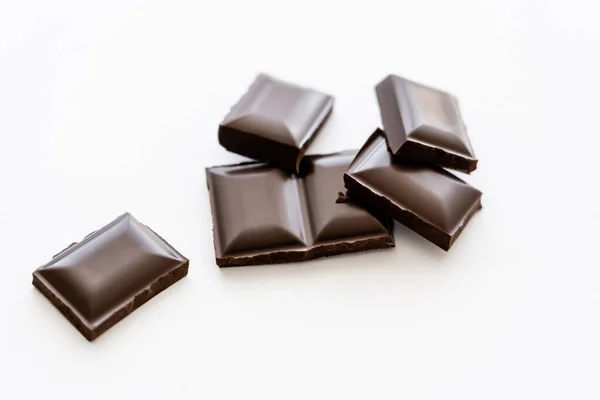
424 124
99 281
275 121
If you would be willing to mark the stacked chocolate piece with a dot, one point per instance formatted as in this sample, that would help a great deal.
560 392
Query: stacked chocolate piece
283 208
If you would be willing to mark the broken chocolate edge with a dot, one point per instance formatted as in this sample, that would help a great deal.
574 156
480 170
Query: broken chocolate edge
69 311
430 155
134 302
325 250
290 256
371 200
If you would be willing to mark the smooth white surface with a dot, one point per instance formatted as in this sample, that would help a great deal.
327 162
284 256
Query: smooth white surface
114 106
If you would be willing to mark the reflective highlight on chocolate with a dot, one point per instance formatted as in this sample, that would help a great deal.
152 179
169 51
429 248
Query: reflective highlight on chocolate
424 124
275 121
429 200
262 215
110 273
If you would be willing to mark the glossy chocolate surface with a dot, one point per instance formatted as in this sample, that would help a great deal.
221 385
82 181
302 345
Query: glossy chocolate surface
111 272
262 215
275 121
424 124
429 200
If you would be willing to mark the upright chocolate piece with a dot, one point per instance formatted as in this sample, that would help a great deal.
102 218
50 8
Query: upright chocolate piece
262 215
275 121
430 201
99 281
424 124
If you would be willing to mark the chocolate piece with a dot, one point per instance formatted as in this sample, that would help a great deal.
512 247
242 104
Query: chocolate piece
99 281
262 215
342 198
429 200
424 124
275 121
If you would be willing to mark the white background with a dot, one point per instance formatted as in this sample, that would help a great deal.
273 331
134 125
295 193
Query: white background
107 107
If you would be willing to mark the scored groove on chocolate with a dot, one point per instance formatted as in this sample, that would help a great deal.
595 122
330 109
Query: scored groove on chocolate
262 215
424 124
429 200
113 271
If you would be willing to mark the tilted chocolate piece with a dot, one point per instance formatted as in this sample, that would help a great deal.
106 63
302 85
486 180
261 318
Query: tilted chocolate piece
262 215
429 200
424 124
99 281
275 121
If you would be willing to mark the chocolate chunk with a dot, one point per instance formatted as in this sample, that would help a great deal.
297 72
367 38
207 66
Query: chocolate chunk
427 199
424 124
99 281
262 215
275 121
342 198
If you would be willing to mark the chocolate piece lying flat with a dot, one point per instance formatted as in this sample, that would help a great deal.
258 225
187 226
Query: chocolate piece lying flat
262 215
429 200
424 124
275 121
99 281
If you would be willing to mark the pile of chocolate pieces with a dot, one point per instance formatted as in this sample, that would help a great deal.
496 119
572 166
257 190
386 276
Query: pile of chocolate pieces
288 207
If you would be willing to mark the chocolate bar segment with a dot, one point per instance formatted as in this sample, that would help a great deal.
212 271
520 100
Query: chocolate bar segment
262 215
424 124
427 199
99 281
275 122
